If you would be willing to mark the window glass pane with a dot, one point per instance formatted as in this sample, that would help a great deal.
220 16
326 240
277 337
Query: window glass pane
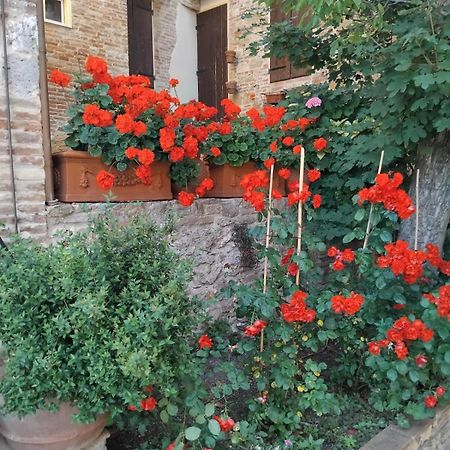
53 10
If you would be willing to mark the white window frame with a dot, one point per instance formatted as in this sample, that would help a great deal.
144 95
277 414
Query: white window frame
66 14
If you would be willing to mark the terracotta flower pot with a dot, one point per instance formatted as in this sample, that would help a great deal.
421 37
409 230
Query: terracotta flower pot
232 87
275 97
204 173
50 431
75 180
227 180
230 57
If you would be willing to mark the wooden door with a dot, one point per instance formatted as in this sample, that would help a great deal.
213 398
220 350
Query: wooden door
212 44
140 37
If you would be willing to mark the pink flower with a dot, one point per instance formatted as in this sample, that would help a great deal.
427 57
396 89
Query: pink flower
313 102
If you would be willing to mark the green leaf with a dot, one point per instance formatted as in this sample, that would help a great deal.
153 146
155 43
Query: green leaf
172 409
360 215
192 433
348 237
386 236
164 416
209 409
392 374
214 427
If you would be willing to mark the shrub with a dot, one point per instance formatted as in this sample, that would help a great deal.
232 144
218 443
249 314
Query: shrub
95 320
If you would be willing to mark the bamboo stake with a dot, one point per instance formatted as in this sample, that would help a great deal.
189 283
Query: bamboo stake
269 218
300 211
266 259
366 238
416 237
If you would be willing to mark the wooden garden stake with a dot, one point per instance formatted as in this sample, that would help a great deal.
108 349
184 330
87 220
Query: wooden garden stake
300 211
416 237
366 238
266 259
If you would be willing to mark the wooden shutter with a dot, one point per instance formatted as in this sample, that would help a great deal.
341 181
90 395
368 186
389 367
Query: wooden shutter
140 37
299 18
212 69
281 68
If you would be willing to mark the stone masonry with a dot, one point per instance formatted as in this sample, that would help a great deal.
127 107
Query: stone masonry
26 128
209 234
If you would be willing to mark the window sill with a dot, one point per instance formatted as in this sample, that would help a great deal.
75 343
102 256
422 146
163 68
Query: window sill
60 24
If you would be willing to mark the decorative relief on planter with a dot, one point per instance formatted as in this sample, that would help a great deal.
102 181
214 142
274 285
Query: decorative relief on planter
75 180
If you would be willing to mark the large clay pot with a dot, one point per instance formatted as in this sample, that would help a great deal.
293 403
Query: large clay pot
227 180
75 180
50 431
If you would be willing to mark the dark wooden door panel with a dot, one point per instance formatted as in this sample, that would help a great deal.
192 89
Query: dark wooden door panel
140 37
211 47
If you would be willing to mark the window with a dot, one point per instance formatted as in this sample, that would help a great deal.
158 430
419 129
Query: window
58 11
280 68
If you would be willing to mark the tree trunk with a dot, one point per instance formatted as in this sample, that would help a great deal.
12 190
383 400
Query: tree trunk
434 196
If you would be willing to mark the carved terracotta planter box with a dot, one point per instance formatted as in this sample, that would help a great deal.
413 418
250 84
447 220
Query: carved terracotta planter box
227 180
75 180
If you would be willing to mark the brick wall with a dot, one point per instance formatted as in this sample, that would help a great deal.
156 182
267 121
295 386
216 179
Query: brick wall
164 38
99 28
25 109
252 72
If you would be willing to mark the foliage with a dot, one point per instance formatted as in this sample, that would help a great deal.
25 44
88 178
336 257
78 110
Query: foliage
94 319
393 55
298 370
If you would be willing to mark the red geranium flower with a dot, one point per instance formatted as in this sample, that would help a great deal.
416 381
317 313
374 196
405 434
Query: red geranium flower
430 401
144 173
149 404
440 391
93 115
105 180
350 305
284 173
313 175
320 144
60 78
215 151
317 201
268 163
205 342
297 149
173 82
96 65
186 198
288 141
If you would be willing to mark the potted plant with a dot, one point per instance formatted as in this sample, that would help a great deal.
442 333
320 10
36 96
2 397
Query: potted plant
97 323
135 130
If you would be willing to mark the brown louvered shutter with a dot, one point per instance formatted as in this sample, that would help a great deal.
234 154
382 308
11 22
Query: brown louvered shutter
280 68
140 39
299 18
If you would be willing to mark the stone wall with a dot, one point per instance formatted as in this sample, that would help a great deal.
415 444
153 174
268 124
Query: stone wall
98 28
211 234
423 435
26 131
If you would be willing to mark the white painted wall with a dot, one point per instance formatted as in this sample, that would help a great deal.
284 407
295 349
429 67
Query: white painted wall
205 5
183 64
